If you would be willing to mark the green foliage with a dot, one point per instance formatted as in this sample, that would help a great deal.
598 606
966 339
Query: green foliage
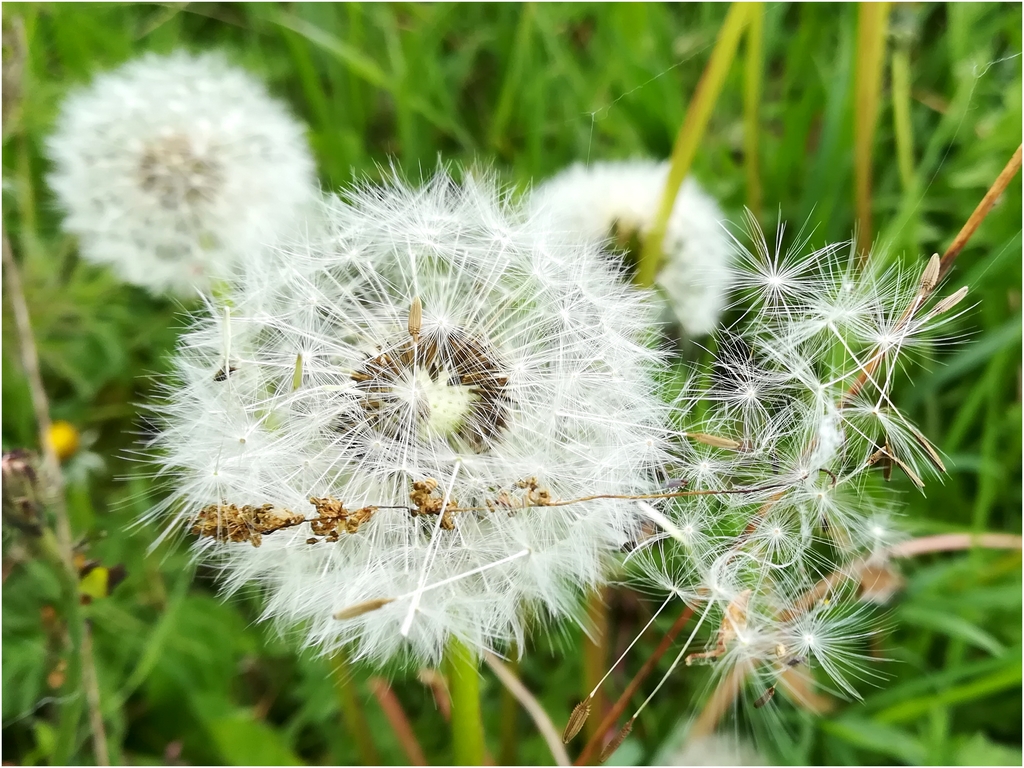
525 89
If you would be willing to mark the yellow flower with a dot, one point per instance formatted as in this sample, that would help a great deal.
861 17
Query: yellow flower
64 439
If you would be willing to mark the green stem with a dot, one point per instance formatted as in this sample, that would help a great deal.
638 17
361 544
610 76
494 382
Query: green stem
461 669
690 134
872 22
351 710
753 76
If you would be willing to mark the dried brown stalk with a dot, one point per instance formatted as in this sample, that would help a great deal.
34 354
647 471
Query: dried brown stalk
532 706
949 257
998 187
55 489
398 720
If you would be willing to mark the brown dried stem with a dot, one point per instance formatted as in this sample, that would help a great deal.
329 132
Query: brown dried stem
532 706
949 257
398 720
54 488
249 523
998 187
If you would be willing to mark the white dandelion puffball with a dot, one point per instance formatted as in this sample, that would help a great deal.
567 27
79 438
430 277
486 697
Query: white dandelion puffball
448 372
621 199
171 169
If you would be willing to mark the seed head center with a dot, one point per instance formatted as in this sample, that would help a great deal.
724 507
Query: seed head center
445 384
176 173
444 403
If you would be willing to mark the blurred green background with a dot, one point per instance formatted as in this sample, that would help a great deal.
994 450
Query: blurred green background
526 89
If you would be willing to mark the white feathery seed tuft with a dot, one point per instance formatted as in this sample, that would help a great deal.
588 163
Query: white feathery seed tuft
795 435
446 369
172 169
620 199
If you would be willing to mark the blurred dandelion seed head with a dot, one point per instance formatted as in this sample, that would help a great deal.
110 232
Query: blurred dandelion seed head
175 169
621 198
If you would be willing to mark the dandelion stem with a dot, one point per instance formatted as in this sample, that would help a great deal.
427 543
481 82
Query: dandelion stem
594 743
351 709
698 113
467 722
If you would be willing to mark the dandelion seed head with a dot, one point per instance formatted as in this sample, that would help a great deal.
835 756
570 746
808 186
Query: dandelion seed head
173 169
621 199
793 431
466 354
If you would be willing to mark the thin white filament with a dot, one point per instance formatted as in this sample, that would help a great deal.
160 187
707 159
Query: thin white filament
675 663
630 646
431 551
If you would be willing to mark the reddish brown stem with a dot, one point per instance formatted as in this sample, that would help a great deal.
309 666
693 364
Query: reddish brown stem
594 745
998 187
959 242
399 721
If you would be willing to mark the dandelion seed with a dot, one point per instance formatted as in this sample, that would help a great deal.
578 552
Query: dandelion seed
577 720
764 698
615 743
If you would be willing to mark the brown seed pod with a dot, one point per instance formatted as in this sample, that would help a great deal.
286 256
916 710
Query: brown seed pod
930 275
579 716
715 441
364 607
415 318
615 743
764 698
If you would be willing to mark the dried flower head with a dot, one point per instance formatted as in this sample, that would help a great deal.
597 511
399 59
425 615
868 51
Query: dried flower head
439 363
173 168
620 200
